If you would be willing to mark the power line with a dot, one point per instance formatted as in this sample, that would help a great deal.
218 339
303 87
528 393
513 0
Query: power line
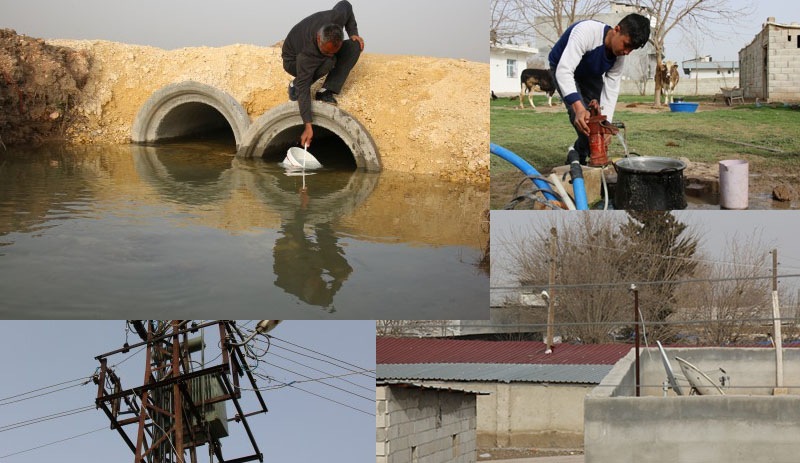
83 378
327 373
357 368
322 382
666 256
329 399
615 322
283 385
44 393
41 419
628 283
54 442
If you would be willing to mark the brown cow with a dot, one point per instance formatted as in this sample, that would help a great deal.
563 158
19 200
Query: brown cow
667 78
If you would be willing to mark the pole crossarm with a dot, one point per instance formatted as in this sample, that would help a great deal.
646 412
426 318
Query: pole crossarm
179 406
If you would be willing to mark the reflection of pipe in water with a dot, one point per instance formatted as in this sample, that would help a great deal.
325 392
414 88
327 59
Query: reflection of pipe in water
184 173
330 194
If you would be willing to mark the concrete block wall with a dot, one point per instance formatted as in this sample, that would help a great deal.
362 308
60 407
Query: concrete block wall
520 414
692 429
747 424
418 425
784 63
752 371
782 75
686 86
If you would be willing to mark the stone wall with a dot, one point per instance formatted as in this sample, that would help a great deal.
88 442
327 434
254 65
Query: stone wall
424 424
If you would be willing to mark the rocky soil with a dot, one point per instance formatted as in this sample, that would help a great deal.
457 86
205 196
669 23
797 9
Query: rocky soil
39 86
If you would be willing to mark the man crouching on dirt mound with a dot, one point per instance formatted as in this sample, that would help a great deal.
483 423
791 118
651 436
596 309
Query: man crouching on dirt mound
316 47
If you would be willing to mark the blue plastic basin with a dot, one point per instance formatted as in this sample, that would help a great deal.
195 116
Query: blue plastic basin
683 107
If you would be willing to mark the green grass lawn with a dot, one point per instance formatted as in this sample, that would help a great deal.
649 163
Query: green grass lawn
713 133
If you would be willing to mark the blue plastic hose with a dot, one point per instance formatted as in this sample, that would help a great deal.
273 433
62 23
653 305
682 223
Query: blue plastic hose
578 187
526 169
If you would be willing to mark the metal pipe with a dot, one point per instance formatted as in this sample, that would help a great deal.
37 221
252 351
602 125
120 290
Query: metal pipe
636 332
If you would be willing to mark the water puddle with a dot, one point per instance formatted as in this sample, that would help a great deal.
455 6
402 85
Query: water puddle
189 230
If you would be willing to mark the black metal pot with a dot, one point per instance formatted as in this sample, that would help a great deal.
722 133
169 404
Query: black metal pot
650 183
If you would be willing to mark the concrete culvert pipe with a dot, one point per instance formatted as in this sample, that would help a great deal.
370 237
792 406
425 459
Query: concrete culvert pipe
339 139
188 109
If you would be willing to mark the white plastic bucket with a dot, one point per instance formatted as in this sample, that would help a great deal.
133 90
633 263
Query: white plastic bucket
298 158
733 184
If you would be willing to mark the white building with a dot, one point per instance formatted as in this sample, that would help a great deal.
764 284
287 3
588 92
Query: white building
706 68
507 62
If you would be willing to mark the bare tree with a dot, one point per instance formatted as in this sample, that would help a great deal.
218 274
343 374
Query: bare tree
689 15
505 25
404 328
730 308
548 19
586 250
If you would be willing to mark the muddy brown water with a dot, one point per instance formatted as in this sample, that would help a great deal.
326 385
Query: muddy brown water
190 230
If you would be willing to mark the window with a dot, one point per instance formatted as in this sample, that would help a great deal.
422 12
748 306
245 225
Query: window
511 68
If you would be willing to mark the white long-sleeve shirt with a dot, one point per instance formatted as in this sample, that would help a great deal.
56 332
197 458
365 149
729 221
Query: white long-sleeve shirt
581 52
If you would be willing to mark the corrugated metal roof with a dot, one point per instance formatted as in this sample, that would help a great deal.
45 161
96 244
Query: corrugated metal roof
432 350
404 383
507 373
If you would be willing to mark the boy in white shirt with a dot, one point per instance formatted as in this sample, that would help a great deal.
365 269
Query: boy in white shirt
586 63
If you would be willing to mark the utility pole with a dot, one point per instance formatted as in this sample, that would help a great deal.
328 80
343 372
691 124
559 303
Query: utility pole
179 405
550 294
636 332
776 327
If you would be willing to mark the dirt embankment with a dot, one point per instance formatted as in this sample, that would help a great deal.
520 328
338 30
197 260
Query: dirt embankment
39 86
427 115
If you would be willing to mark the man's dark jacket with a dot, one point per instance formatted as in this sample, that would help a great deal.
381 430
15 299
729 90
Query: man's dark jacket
301 46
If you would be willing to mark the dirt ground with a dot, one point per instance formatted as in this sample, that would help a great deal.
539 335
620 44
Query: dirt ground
702 179
702 187
509 454
39 84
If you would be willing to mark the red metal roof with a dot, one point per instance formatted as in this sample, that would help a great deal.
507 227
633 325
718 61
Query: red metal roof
432 350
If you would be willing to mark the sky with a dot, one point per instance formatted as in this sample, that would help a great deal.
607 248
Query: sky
726 42
774 229
299 427
442 28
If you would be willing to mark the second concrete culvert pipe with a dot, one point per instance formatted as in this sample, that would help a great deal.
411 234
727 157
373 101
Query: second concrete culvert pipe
281 126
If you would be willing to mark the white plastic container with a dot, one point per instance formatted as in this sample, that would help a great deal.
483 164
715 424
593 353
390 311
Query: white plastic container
733 184
298 158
